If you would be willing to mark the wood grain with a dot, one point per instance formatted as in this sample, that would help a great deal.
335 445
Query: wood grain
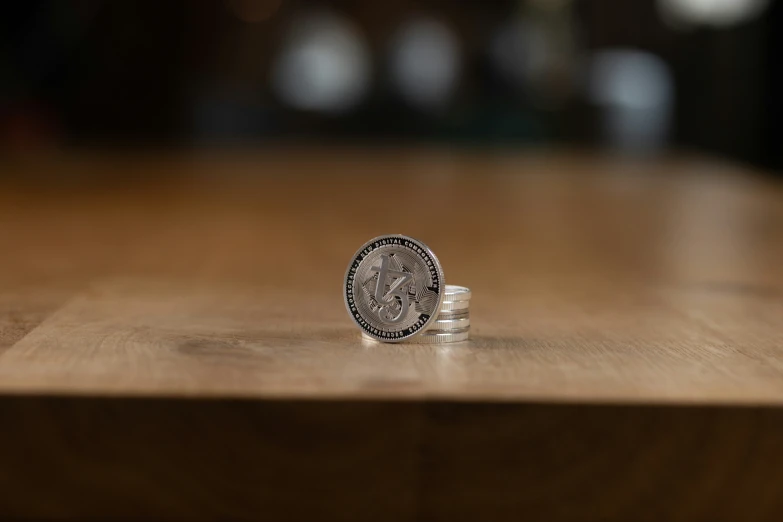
89 458
179 318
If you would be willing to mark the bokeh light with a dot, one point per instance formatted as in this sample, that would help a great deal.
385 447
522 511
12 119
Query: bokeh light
324 64
425 62
717 13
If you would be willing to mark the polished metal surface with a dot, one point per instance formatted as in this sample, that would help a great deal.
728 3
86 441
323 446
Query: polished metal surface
454 306
457 293
433 337
438 337
453 314
393 288
450 323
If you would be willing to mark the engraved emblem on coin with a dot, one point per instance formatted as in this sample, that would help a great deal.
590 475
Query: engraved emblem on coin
393 288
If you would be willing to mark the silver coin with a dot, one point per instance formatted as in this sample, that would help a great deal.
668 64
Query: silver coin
437 337
393 288
454 306
434 337
453 314
457 293
448 323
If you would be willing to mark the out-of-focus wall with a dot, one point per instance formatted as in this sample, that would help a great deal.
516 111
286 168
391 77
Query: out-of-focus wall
634 77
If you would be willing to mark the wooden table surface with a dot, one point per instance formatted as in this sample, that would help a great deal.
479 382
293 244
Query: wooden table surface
173 342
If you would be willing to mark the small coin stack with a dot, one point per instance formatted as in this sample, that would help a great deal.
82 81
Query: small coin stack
453 321
394 292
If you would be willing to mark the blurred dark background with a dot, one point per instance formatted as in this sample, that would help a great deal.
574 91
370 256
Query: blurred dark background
636 77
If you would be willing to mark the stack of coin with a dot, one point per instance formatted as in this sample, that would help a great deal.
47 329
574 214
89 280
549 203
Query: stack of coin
394 292
453 321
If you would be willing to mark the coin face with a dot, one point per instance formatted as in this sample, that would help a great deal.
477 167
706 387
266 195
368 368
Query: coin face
393 288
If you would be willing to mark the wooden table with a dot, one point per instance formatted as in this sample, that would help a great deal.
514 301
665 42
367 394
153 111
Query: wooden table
173 343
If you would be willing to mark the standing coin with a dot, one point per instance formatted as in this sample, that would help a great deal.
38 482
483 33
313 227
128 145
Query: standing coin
393 288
